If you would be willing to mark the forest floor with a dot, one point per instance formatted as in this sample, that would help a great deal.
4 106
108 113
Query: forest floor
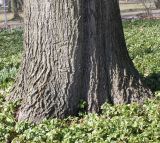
136 10
135 6
10 23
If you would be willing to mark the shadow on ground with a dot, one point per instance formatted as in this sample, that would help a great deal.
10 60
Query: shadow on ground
153 81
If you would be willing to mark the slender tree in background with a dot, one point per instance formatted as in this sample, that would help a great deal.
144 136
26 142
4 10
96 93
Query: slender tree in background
14 9
157 4
20 5
9 6
16 6
74 50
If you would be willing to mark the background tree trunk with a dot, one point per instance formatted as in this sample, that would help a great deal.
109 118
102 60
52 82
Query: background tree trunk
14 5
9 6
20 5
157 4
74 50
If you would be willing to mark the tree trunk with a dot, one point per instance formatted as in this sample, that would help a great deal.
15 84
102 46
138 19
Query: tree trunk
20 5
15 9
9 6
74 50
157 4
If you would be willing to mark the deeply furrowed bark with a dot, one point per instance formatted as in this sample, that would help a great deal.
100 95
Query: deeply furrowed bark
74 50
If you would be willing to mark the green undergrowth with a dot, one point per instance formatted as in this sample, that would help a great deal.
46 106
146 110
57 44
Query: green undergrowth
143 42
121 123
10 55
117 124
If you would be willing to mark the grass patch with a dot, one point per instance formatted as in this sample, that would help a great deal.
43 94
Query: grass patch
10 55
143 42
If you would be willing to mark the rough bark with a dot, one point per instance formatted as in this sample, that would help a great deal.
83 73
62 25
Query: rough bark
74 50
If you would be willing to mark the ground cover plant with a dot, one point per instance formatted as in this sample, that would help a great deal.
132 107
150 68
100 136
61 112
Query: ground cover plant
10 55
143 42
121 123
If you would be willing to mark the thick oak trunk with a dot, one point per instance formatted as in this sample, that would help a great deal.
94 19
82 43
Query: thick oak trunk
74 50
